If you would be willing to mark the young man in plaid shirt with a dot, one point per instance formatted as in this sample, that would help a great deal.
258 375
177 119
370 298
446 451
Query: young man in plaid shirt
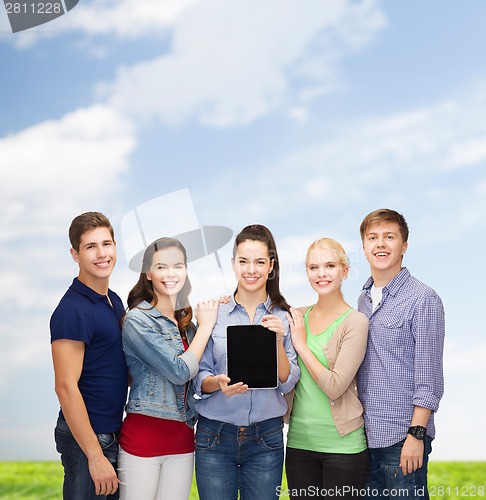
401 380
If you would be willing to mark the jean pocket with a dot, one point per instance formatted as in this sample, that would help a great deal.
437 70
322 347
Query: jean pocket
395 481
273 439
107 440
64 436
206 440
69 450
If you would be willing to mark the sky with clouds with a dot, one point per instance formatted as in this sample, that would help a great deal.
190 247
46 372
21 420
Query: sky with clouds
303 116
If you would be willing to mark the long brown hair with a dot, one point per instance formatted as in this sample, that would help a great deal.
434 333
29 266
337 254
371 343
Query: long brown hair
144 290
257 232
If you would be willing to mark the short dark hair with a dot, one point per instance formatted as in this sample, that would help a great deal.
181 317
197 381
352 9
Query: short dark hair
385 215
86 222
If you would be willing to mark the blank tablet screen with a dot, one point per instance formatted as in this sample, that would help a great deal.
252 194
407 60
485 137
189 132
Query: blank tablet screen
252 356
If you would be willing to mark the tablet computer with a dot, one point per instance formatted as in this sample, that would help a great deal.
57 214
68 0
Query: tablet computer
252 356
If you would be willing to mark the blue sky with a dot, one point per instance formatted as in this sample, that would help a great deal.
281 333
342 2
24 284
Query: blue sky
303 116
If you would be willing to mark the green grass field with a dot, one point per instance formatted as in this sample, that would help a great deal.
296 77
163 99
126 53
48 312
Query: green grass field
43 480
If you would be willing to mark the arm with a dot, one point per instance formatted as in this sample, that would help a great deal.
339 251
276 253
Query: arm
275 324
291 366
208 382
411 457
350 356
222 382
68 357
211 383
147 344
428 329
206 314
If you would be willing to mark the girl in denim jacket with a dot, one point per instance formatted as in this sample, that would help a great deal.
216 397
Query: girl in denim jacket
162 350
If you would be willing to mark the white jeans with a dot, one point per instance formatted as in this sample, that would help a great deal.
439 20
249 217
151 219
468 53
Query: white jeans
168 477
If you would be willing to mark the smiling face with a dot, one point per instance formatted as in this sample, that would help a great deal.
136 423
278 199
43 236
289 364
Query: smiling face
96 258
325 270
252 266
168 272
384 247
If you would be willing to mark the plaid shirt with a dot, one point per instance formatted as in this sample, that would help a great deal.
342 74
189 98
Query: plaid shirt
403 363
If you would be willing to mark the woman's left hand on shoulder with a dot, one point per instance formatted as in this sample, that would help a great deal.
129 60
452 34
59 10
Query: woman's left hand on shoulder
297 327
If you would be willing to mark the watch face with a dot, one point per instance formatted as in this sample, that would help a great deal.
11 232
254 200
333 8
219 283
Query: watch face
420 432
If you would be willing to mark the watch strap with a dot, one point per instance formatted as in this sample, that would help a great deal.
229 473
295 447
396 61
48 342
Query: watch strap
418 432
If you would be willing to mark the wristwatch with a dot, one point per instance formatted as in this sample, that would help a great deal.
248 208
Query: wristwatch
418 432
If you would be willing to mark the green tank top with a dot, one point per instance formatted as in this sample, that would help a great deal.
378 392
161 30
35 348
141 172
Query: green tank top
311 426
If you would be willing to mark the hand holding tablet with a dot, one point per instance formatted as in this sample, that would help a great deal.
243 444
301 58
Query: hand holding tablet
228 388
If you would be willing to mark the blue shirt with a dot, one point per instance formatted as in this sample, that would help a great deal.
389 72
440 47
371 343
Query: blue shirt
255 405
403 362
85 315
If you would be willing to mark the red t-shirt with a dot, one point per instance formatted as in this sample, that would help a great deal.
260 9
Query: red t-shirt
145 436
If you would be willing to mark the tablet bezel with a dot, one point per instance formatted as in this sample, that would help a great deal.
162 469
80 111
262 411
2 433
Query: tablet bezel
254 341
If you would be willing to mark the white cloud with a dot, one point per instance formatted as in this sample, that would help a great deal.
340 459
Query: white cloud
228 63
480 188
450 445
126 18
69 163
382 161
50 172
467 360
300 114
233 62
123 19
55 169
25 337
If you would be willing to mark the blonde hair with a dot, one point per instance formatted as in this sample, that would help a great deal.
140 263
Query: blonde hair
329 244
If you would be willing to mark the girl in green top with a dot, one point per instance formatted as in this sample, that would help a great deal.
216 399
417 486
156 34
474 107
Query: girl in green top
326 445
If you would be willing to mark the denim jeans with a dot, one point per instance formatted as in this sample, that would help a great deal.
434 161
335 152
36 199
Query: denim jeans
78 484
231 458
386 480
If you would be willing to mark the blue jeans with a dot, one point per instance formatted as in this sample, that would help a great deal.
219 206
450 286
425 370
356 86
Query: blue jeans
78 484
231 458
386 480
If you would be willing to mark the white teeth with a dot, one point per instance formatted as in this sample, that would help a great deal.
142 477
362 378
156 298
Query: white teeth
170 283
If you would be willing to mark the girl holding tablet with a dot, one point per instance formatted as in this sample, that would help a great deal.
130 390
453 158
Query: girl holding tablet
239 440
326 443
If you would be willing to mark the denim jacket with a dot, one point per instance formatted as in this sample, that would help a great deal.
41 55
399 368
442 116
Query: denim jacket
158 366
